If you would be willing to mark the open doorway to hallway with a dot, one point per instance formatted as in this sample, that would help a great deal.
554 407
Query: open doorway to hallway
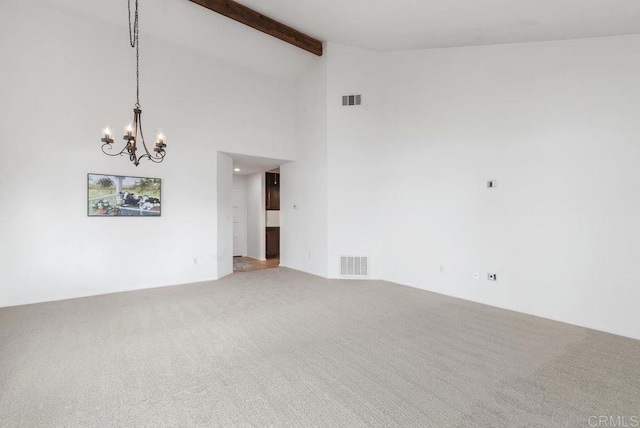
256 213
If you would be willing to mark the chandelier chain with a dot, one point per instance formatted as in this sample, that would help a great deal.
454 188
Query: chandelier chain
134 41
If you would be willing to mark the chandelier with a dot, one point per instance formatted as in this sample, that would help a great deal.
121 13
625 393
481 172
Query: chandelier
133 133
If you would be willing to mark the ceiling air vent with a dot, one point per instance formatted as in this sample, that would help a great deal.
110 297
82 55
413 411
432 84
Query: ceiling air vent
354 266
351 100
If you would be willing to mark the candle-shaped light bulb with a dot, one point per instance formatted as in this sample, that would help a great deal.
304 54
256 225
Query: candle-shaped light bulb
129 130
107 133
160 139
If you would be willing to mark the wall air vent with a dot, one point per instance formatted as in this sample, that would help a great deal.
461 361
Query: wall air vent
354 266
351 100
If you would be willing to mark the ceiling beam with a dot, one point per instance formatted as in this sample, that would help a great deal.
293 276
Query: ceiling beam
253 19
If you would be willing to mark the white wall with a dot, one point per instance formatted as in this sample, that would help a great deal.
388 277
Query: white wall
303 232
355 153
240 182
224 207
64 77
256 216
554 123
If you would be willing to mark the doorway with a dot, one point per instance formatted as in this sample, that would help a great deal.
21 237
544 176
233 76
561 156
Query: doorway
255 213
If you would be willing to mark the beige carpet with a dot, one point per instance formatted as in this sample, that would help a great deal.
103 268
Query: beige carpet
285 349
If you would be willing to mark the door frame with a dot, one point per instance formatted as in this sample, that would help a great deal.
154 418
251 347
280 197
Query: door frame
243 220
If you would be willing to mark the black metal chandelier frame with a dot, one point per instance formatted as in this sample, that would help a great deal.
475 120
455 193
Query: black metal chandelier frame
133 133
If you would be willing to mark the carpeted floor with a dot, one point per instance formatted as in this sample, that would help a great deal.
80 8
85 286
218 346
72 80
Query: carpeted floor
281 348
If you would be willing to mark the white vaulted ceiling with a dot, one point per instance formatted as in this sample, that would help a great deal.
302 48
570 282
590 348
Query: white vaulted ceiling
371 24
419 24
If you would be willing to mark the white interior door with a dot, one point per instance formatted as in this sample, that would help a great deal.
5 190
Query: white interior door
238 226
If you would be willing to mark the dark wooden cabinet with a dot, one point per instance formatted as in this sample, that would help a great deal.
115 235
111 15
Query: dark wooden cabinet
273 242
273 191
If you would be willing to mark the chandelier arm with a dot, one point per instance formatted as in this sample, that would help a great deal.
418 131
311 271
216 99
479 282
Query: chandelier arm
147 153
110 147
152 158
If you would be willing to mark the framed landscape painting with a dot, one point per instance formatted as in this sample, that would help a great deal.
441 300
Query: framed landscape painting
119 196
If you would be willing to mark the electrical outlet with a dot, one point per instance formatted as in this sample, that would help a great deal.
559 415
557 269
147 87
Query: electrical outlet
476 275
492 183
492 276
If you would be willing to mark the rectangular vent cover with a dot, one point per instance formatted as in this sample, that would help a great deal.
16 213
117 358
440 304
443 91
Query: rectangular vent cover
351 100
354 266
